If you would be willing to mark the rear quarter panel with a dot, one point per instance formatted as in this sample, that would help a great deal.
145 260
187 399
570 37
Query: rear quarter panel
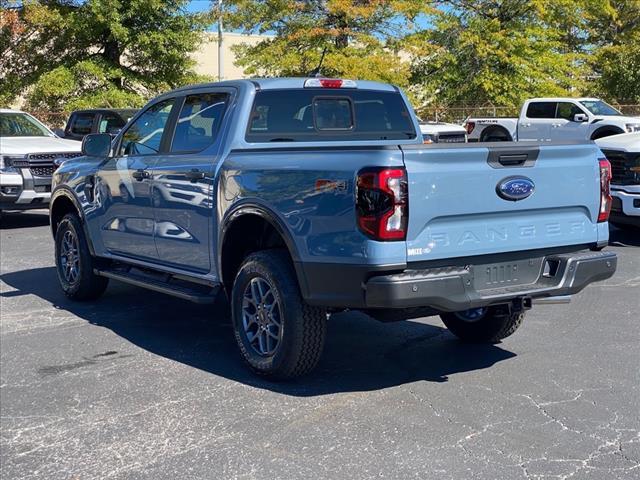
320 220
509 124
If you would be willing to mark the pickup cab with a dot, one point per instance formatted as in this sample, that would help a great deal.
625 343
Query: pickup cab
555 120
623 152
97 120
29 153
297 198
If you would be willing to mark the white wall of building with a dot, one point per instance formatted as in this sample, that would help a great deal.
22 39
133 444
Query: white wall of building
206 56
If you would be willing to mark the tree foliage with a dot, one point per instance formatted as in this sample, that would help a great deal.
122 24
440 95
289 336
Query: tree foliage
111 53
351 38
614 30
493 52
65 54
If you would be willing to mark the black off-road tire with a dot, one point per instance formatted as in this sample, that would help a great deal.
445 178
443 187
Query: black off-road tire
495 325
303 326
87 285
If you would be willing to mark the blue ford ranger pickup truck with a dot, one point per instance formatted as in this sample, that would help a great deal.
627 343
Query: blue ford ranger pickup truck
302 197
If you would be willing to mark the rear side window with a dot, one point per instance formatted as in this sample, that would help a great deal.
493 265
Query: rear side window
199 121
315 114
110 123
541 110
82 123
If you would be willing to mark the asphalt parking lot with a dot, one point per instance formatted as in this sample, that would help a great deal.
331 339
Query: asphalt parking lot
143 386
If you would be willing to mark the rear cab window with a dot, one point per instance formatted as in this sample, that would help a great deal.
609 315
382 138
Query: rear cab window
541 110
320 114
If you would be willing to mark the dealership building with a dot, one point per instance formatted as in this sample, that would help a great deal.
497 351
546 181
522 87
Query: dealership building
207 55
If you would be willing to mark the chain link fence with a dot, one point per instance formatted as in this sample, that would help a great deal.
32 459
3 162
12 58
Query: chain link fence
454 114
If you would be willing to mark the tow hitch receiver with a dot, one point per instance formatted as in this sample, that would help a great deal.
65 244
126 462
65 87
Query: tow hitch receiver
517 305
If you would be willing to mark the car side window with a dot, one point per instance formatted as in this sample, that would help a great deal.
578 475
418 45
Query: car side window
144 135
110 123
568 110
82 123
199 122
541 110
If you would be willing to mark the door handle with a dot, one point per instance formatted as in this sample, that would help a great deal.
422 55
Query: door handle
195 175
525 124
556 125
141 174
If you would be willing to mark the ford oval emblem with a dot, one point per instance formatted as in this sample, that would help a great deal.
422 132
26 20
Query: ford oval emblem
515 188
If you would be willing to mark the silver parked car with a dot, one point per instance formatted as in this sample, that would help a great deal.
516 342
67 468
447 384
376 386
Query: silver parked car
29 154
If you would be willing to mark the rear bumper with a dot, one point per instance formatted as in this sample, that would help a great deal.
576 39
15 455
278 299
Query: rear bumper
455 288
452 289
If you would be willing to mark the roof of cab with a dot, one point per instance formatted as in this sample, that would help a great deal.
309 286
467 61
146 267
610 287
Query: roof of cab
281 83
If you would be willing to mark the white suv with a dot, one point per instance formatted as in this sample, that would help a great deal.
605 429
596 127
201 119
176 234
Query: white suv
29 154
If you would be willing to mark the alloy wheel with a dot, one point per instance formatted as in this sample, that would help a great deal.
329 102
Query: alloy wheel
262 316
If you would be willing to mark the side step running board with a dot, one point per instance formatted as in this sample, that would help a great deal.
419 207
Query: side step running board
196 293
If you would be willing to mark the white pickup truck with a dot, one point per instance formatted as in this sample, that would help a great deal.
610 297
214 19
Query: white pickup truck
623 152
440 132
554 119
29 154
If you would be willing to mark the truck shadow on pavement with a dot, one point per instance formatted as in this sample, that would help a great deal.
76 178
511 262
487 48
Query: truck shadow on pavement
361 354
33 218
624 237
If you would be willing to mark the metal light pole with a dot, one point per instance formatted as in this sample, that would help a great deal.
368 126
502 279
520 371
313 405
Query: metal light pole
220 59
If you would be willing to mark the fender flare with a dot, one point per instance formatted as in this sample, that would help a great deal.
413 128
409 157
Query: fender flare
258 209
66 192
604 128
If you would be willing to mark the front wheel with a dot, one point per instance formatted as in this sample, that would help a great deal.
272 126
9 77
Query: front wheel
278 334
74 262
483 325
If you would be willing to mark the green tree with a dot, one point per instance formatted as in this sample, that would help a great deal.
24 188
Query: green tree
495 52
101 52
29 37
614 33
341 38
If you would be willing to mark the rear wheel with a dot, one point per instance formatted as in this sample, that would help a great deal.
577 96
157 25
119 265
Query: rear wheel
278 334
496 134
483 325
74 262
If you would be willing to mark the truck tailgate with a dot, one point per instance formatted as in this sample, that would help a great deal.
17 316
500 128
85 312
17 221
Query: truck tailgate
461 202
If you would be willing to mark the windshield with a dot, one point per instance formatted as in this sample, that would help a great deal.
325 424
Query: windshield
598 107
15 124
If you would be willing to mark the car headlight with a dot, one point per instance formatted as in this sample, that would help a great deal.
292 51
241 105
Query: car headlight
429 138
5 165
633 127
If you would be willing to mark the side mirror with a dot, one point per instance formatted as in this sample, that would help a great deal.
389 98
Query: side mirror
580 117
97 145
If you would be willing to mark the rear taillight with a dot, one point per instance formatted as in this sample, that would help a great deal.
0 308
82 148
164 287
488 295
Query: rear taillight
470 126
605 194
381 203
